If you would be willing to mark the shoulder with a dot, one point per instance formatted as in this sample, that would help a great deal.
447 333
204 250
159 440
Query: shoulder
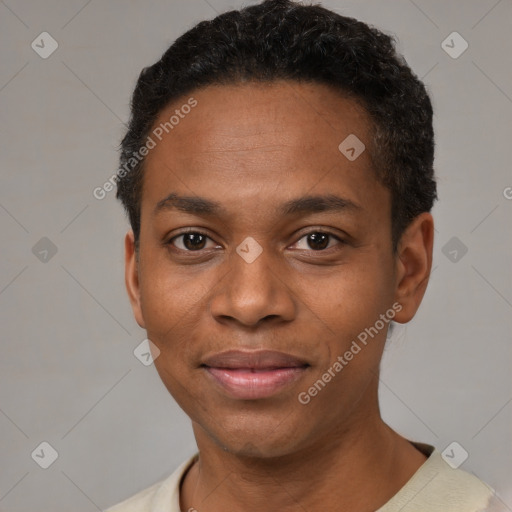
457 490
164 493
438 487
139 502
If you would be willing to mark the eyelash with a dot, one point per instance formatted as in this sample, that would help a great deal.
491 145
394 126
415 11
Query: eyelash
196 232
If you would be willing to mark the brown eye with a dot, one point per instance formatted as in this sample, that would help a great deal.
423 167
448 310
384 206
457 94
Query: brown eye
317 241
192 241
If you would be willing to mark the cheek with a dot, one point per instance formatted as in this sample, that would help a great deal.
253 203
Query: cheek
174 306
167 297
350 300
164 307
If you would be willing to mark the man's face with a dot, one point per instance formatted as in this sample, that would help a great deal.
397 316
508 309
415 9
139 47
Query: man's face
266 269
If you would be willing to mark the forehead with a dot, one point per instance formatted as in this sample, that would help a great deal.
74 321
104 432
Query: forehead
268 137
226 116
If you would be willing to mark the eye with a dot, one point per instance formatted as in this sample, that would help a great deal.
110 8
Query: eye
317 241
195 241
191 241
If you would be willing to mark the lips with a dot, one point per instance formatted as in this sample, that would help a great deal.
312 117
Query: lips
254 375
258 360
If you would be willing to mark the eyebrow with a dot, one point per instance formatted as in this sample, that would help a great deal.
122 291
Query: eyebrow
303 205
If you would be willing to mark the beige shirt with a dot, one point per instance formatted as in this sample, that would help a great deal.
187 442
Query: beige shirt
435 487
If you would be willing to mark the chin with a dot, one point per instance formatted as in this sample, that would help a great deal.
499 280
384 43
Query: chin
252 449
249 437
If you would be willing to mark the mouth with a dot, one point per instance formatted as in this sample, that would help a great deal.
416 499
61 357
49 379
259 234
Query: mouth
254 375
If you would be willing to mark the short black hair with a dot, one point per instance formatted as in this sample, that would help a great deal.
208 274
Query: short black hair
285 40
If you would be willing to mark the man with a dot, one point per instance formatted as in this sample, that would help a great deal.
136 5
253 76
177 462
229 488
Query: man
278 177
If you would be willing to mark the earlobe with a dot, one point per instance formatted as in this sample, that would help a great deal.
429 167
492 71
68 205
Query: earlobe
414 263
131 275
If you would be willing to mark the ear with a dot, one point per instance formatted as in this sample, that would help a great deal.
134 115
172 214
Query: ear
131 277
414 263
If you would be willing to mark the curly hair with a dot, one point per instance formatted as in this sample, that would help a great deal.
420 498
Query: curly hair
284 40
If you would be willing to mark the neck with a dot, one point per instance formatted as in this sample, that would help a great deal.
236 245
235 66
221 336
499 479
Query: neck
359 468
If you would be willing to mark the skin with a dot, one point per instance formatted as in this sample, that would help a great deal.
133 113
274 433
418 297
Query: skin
251 148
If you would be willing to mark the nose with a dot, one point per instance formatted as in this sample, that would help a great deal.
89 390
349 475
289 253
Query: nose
254 291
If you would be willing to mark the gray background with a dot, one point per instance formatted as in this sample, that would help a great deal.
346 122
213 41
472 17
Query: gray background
68 375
